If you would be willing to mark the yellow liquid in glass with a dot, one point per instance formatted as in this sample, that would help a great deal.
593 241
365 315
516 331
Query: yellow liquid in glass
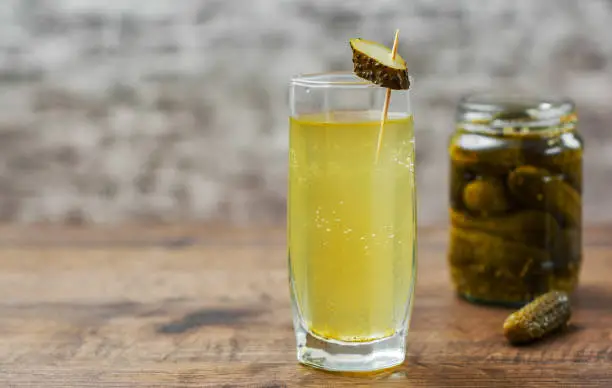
352 224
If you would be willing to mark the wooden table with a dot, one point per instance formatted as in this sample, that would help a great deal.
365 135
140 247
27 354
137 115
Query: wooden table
190 307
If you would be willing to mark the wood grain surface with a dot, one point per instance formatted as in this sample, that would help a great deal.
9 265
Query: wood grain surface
188 306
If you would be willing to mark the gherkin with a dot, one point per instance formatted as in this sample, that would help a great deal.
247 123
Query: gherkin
374 62
486 266
538 188
494 161
485 196
530 227
539 318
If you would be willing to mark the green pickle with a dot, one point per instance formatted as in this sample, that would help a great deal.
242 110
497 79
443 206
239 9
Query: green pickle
486 196
496 159
546 314
515 203
492 265
537 188
565 158
530 227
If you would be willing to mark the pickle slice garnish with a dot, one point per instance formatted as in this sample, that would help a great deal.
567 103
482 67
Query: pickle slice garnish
375 63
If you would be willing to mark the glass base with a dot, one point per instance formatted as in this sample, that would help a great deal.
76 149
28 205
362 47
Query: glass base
340 356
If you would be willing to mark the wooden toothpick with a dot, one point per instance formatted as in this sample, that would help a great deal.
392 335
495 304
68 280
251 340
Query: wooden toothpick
387 100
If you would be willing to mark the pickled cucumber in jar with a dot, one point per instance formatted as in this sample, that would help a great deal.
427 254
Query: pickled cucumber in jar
485 196
539 189
515 199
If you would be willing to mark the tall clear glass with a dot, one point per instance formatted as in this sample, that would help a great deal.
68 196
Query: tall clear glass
351 222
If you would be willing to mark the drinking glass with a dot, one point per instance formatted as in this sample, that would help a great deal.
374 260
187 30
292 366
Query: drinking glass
351 222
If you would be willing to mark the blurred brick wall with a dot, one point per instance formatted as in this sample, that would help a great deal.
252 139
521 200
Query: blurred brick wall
176 110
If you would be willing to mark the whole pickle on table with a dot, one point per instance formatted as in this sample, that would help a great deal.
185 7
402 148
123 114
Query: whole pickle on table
544 315
530 227
485 196
538 189
492 156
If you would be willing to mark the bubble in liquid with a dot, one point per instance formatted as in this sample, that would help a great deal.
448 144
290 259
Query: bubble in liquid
328 230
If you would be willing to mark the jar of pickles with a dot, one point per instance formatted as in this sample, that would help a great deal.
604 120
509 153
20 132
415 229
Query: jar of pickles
515 198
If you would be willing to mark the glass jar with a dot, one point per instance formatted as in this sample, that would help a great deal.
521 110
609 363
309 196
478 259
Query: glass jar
515 198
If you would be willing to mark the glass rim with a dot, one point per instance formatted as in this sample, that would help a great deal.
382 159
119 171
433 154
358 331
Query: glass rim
335 79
